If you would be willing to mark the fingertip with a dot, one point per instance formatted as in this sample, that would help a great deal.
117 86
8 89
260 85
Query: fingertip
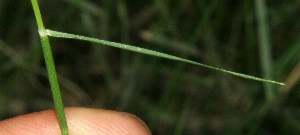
84 120
80 121
43 122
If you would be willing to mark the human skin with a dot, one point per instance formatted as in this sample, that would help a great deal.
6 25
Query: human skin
81 121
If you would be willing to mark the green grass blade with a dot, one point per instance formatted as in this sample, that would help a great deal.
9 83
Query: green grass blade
264 46
150 52
59 108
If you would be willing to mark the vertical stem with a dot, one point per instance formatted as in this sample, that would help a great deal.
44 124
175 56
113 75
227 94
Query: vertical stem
265 48
51 69
266 65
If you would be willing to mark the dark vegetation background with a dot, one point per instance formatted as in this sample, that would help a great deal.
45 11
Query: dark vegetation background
171 97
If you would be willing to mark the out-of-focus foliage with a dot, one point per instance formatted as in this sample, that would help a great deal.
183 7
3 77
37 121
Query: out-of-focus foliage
171 97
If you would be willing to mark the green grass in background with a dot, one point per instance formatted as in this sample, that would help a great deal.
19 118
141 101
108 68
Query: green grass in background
171 97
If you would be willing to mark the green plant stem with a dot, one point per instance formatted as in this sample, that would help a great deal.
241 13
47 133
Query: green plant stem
51 70
264 47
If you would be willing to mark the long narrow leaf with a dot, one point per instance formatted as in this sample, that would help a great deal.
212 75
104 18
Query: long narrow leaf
150 52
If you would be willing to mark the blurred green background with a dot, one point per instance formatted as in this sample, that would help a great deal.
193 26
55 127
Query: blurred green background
173 98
